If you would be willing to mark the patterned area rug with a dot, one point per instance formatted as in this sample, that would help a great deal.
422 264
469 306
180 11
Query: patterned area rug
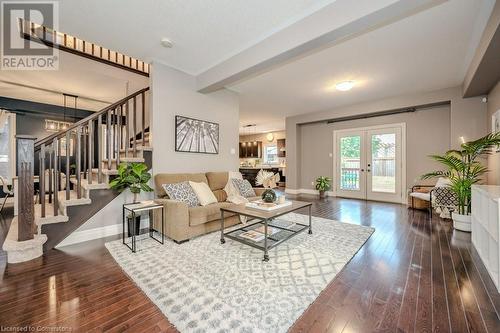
204 286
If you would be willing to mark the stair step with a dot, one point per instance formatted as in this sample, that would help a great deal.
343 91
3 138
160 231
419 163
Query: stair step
73 201
106 171
139 148
125 160
49 215
94 186
22 251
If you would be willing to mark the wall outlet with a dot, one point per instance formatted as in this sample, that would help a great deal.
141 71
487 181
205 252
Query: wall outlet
312 183
331 155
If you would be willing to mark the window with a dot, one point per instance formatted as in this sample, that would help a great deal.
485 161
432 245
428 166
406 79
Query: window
271 154
7 150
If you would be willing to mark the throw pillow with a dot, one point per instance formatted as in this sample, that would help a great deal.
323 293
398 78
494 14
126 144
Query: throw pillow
204 193
182 192
244 187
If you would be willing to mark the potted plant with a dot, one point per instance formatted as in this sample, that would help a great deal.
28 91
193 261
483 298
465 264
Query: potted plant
464 170
323 185
133 176
268 180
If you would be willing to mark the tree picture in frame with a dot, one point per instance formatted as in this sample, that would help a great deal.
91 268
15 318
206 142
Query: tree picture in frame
196 136
495 124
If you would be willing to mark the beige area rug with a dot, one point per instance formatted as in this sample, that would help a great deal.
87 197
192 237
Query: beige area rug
205 286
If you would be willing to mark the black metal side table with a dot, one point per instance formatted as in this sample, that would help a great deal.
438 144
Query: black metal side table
139 207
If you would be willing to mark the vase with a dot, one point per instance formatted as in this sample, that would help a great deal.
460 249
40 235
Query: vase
269 196
461 222
131 230
321 194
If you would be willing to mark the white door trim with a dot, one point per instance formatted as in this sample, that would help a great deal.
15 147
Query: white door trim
367 128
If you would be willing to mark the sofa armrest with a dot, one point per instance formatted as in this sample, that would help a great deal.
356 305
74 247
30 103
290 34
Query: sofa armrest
175 219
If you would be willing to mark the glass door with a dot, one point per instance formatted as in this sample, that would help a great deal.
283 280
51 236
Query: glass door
368 163
383 169
350 181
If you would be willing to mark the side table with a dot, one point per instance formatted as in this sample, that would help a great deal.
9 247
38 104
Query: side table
138 207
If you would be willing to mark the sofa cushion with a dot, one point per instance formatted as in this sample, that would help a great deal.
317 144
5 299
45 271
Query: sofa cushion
221 195
204 193
172 178
217 180
203 214
244 187
182 192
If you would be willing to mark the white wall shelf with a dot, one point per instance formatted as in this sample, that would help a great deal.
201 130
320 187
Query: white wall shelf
485 227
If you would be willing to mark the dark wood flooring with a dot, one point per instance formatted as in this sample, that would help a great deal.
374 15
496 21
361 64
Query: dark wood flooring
412 275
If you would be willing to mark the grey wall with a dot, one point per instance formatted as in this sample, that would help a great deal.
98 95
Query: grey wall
493 160
174 93
427 132
466 117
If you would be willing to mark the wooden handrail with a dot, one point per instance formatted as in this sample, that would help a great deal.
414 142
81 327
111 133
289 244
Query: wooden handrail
81 122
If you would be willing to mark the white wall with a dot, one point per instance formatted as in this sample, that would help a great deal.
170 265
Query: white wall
174 93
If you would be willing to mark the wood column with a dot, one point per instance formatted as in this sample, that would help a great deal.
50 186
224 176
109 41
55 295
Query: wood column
25 164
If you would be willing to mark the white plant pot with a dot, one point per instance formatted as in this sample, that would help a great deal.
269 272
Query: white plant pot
461 222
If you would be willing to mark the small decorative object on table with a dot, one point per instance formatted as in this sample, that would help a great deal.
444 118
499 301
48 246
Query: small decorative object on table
323 185
268 180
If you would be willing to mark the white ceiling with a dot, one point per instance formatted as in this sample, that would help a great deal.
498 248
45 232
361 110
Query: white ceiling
96 84
204 32
424 52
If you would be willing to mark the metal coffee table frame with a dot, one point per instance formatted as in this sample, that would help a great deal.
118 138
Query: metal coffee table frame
266 218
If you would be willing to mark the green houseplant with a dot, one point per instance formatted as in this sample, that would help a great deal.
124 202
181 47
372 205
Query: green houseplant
133 176
323 185
463 169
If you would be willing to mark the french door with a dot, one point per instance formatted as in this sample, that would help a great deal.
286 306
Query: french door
369 164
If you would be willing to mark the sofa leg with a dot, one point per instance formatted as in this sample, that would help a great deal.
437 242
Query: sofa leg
182 241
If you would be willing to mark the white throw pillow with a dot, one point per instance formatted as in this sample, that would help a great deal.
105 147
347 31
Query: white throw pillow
204 193
443 182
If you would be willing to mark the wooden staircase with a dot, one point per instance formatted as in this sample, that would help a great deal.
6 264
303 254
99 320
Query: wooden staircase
97 145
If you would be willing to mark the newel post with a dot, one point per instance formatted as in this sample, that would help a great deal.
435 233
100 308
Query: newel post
25 147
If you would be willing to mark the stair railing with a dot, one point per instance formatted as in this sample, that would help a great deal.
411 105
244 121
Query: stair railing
83 145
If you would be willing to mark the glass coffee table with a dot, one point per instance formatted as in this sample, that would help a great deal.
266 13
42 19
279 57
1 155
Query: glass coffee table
266 230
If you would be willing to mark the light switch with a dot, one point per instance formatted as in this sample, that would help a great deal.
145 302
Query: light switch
331 155
233 151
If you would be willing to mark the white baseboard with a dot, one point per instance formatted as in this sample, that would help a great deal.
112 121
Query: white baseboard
90 234
307 191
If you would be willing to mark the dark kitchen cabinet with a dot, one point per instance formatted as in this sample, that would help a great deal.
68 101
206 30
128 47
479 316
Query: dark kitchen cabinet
251 149
281 145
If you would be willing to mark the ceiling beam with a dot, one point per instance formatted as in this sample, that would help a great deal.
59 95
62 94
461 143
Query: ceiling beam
337 22
484 70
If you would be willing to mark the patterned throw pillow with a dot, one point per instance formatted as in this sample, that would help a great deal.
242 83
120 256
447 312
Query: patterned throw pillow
244 187
182 192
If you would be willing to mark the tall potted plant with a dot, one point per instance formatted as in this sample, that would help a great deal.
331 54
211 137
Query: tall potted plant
133 176
464 170
323 185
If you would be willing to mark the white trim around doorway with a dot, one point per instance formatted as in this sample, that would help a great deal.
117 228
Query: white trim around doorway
404 199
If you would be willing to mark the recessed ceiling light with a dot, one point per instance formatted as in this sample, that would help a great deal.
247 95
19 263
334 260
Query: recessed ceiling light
165 42
344 85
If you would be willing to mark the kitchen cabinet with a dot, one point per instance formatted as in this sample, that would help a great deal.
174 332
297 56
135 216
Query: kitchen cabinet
281 145
251 149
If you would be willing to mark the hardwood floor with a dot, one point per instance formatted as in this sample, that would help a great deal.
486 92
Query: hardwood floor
412 275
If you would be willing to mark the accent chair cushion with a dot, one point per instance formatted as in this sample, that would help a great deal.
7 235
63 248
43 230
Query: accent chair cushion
203 192
244 187
182 192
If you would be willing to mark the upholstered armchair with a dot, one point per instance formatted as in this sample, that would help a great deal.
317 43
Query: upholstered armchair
440 197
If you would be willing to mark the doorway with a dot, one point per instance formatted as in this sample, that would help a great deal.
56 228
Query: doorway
370 163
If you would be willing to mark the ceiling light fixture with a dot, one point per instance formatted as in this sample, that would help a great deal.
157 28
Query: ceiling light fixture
344 85
165 42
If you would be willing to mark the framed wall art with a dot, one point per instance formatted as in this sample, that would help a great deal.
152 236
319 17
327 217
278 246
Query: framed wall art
196 136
